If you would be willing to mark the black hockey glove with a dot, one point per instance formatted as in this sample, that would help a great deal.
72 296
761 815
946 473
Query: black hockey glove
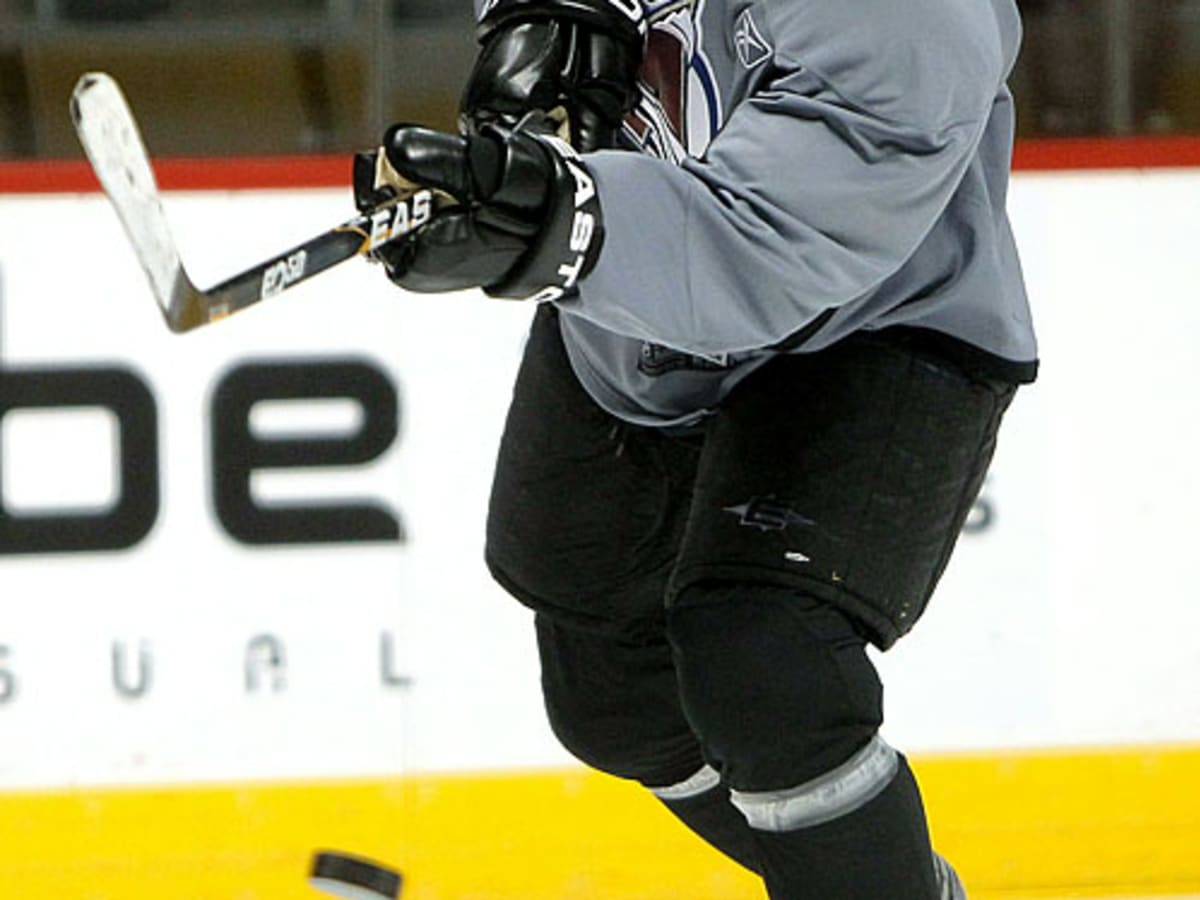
578 56
526 223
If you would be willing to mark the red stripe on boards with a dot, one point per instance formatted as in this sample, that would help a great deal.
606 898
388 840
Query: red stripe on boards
267 172
179 174
1066 154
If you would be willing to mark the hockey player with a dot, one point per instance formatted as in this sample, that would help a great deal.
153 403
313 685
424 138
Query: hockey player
771 354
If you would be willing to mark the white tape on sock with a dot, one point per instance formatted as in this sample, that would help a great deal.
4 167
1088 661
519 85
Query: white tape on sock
832 795
704 780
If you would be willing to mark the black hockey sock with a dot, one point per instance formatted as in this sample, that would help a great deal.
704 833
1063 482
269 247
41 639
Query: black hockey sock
879 850
711 816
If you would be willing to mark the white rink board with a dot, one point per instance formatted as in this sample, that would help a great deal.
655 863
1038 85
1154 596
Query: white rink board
196 597
1075 621
1069 620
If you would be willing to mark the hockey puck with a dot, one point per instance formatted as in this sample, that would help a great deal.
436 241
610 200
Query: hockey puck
353 877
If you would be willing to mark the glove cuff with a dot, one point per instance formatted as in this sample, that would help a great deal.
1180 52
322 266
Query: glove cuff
624 18
568 243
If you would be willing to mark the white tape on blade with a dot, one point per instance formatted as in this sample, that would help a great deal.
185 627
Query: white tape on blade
111 139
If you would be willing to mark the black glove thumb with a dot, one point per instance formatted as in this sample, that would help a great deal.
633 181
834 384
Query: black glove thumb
430 158
483 169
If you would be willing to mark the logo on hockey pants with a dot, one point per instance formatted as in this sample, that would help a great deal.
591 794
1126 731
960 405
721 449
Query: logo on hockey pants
767 514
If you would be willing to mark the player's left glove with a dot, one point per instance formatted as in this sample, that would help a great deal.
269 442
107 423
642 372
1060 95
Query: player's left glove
527 224
580 56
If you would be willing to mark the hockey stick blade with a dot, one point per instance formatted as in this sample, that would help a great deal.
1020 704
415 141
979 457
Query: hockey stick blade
114 147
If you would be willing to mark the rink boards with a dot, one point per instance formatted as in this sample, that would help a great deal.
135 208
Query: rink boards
187 708
1019 825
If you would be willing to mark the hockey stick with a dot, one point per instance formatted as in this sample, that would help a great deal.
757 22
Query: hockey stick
110 137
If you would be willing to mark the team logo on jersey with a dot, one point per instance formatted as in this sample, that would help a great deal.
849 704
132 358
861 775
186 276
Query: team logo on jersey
752 48
678 108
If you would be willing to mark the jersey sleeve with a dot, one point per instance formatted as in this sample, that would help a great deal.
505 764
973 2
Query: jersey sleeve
822 183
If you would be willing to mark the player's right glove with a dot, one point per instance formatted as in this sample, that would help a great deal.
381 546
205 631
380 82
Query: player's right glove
580 56
521 217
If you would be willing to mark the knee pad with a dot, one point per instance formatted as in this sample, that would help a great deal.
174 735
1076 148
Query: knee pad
777 685
614 706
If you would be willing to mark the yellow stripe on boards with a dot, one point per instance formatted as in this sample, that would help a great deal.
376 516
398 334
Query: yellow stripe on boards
1069 823
553 835
1045 824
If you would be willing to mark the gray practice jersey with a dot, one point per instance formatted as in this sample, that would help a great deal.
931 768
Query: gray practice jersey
809 168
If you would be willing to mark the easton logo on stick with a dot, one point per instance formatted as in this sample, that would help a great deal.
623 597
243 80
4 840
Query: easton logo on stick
283 274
